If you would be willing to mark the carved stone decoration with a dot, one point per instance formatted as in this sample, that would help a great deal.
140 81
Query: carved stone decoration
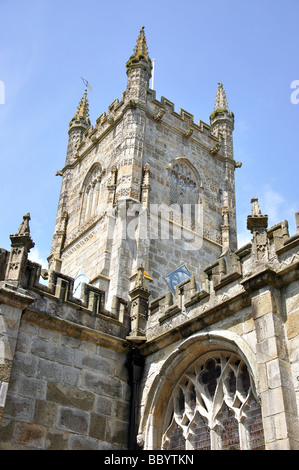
257 224
139 308
140 440
159 115
225 230
255 208
145 185
188 132
21 244
215 149
112 186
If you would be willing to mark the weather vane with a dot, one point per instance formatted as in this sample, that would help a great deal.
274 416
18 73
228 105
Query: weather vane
86 83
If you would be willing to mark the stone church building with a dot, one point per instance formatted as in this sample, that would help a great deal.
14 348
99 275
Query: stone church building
151 328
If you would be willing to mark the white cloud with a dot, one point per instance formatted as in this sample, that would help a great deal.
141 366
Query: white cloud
35 256
244 237
271 203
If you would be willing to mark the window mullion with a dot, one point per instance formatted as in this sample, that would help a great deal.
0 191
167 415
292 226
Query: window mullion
244 436
216 441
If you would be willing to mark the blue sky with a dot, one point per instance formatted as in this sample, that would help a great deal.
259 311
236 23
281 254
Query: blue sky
46 46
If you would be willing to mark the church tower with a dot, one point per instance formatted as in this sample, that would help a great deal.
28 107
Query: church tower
145 188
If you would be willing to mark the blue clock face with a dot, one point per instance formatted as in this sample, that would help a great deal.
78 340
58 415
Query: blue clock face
176 277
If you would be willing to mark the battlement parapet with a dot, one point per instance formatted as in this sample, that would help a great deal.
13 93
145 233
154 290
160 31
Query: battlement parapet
57 300
224 272
225 285
182 122
219 283
222 283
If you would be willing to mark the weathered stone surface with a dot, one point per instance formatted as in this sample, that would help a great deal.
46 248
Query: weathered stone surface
30 435
45 413
97 427
101 384
20 408
6 431
117 432
104 405
68 396
56 439
72 419
82 443
51 351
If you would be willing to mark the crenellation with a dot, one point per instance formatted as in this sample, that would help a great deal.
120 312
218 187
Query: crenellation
167 104
168 107
114 105
223 279
61 287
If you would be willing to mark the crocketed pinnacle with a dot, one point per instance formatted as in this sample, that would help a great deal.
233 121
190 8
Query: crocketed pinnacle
140 50
24 227
82 113
23 234
221 101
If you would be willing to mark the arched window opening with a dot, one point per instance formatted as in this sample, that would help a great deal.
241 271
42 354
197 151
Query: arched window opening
91 193
214 406
184 192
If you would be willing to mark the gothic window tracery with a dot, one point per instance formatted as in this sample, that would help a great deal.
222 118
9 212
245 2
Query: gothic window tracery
184 192
214 406
91 193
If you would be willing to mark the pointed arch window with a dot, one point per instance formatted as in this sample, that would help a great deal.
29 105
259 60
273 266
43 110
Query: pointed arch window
91 193
184 191
214 406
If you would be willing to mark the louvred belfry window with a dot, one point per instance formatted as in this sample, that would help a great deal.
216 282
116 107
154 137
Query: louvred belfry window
91 193
214 407
183 193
